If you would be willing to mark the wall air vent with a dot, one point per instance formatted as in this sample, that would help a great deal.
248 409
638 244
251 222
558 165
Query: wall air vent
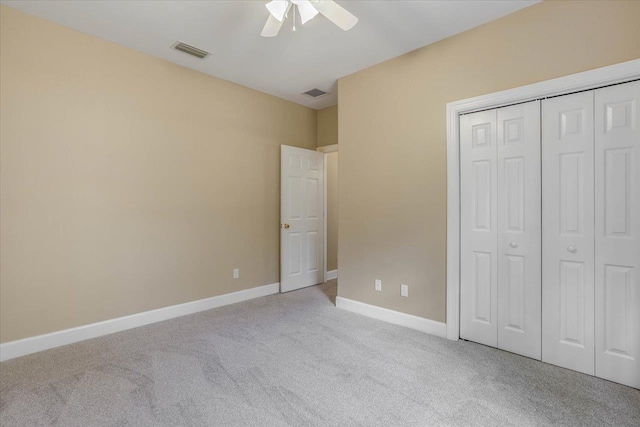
315 93
193 51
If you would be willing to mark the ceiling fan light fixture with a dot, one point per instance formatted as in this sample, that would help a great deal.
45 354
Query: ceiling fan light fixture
278 8
308 10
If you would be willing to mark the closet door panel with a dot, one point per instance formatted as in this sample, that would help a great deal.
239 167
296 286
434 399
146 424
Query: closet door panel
519 233
568 231
478 177
617 233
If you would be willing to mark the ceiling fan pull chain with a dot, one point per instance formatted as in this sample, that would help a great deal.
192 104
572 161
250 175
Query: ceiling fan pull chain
293 6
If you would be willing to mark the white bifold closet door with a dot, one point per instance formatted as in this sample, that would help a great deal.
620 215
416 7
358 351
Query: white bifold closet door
617 233
591 232
567 232
550 230
500 228
478 228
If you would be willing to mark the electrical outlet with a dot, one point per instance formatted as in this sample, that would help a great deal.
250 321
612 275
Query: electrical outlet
236 273
404 291
378 285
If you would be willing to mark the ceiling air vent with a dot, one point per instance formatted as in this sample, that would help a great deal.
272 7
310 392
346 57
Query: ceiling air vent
193 51
315 93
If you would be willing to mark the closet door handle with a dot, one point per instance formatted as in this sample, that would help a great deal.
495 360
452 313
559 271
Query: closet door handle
513 245
572 249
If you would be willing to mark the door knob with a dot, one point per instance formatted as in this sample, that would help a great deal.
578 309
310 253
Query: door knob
513 245
572 249
286 226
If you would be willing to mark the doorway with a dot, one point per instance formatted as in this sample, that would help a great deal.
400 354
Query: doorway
331 211
330 286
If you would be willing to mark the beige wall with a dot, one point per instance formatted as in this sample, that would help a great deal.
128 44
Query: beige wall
332 211
129 183
393 139
328 126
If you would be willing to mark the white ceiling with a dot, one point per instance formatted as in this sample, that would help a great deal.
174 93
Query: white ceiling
315 56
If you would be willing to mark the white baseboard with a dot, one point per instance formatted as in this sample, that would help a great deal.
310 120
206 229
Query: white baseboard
407 320
38 343
330 275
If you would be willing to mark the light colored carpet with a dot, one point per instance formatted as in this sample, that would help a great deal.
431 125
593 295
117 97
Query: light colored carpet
295 359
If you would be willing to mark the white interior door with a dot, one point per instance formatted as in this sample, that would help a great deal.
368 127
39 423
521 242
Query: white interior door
519 234
568 231
617 233
301 218
478 228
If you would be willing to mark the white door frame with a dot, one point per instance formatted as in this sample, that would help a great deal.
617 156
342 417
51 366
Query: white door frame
591 79
326 149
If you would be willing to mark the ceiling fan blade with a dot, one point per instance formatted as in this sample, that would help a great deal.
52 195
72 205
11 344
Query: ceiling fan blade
336 14
272 27
306 9
278 8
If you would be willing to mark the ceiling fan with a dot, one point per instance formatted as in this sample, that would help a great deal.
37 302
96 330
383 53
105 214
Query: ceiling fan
308 9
